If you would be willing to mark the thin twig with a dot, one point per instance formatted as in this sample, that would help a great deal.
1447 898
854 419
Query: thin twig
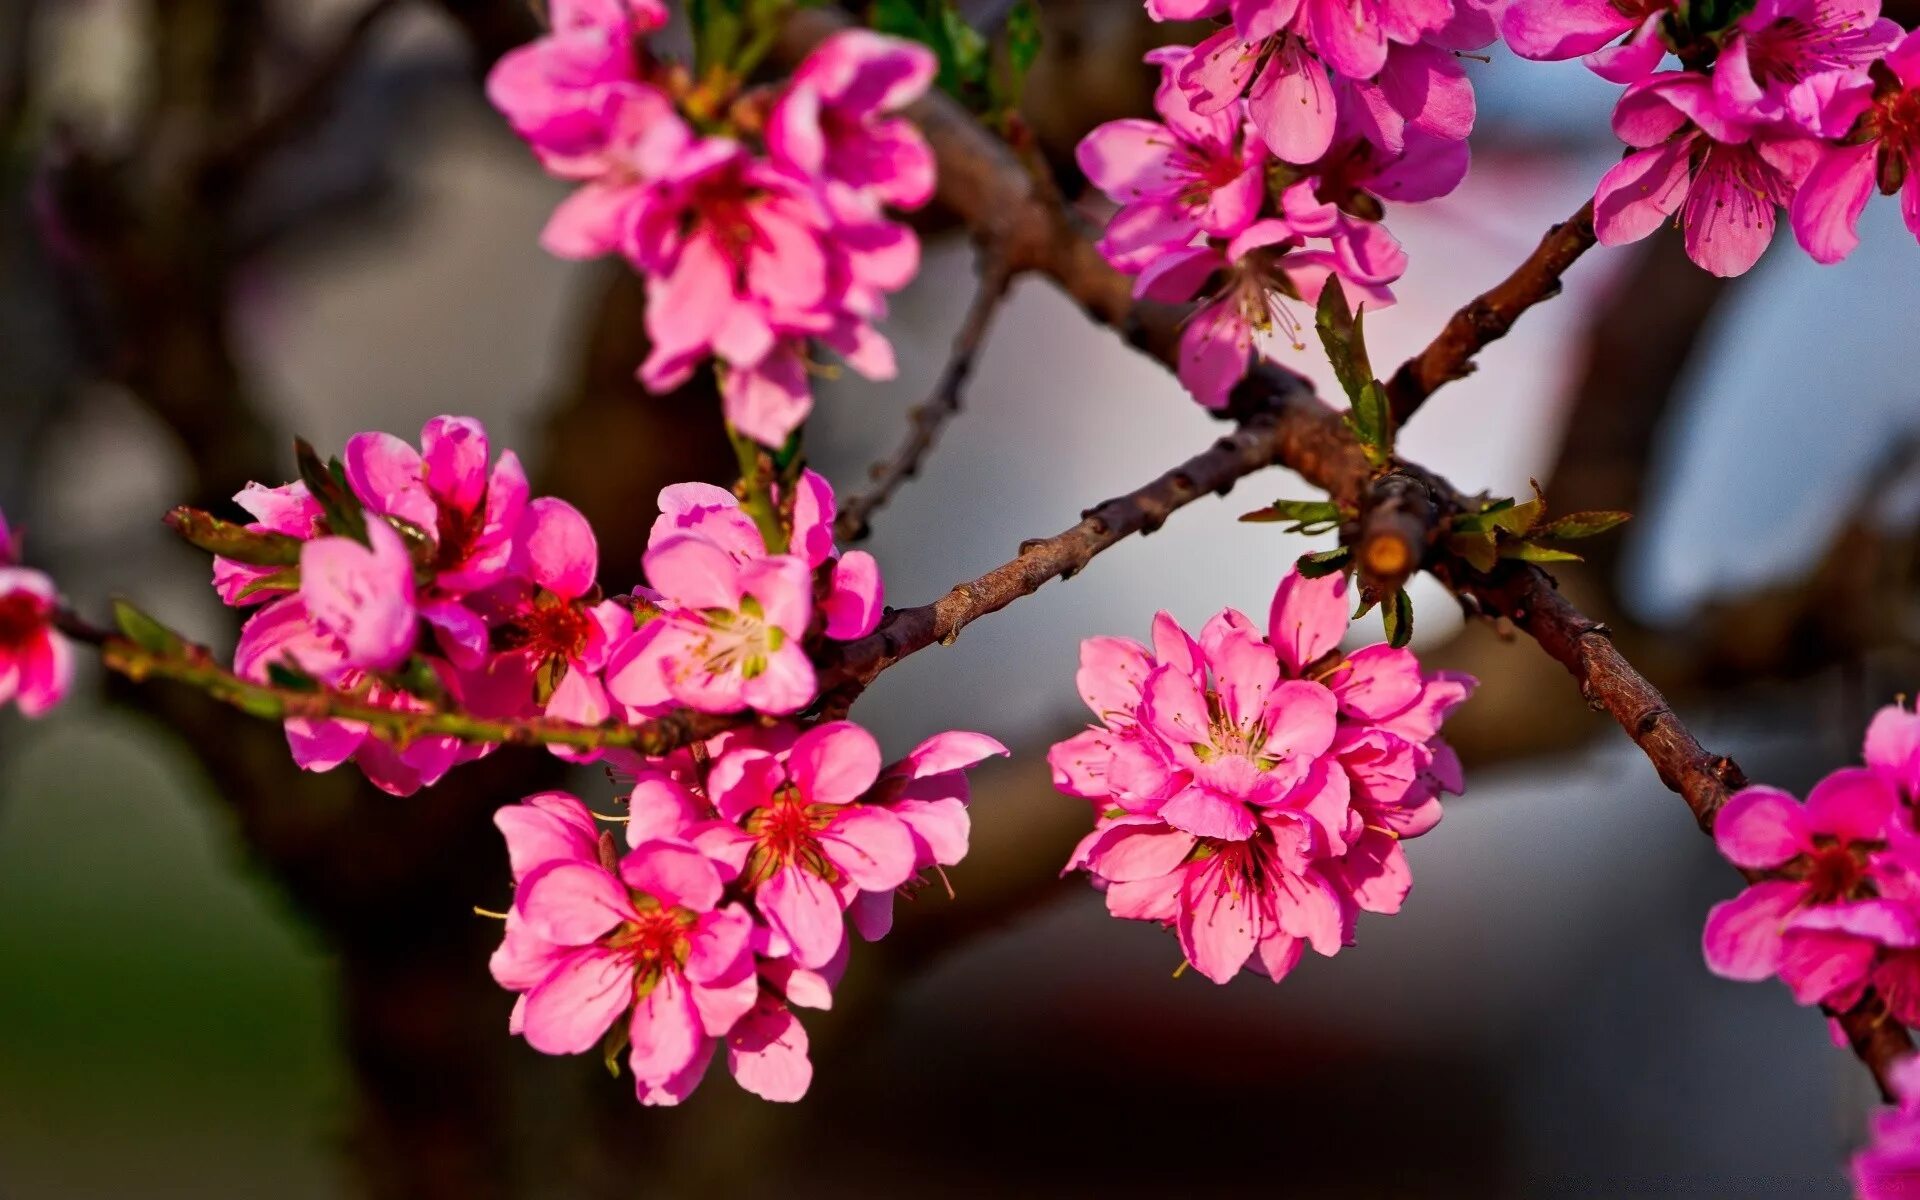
1489 316
926 420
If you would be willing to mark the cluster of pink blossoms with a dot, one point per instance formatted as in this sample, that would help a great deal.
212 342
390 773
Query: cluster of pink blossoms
468 582
1797 104
1843 913
1252 792
36 662
1279 138
757 239
729 909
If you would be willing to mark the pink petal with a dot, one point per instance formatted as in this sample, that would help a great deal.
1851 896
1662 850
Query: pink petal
1218 925
665 1032
854 604
1761 827
767 1053
674 874
955 750
871 846
835 763
1853 804
1292 105
560 552
547 827
571 902
568 1011
801 908
1640 192
694 573
1742 938
1308 618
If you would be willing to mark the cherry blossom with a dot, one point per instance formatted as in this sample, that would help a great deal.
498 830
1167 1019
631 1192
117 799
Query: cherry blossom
36 660
1826 212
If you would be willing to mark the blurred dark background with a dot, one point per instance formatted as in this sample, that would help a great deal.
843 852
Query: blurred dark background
224 223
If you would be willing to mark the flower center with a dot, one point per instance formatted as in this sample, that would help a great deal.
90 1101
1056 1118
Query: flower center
740 641
655 942
788 833
722 205
458 531
22 616
1833 872
549 626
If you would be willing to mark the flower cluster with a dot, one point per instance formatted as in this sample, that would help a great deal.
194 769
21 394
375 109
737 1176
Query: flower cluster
729 909
759 223
1889 1168
36 662
1278 139
1797 104
1840 910
726 619
1252 792
435 541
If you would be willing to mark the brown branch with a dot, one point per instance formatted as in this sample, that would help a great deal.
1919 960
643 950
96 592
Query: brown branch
926 420
1489 316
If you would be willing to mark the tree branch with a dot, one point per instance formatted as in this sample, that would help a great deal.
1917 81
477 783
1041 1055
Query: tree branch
926 420
1489 316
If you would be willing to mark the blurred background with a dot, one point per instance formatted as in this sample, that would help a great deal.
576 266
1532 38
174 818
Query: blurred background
222 224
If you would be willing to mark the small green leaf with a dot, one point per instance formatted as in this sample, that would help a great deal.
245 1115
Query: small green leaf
286 579
1478 549
1396 615
1583 524
1324 562
1529 552
1341 336
1301 516
1518 519
287 676
145 632
1366 606
1020 46
1372 423
327 484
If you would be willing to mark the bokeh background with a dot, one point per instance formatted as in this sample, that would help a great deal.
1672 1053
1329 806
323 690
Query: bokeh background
219 977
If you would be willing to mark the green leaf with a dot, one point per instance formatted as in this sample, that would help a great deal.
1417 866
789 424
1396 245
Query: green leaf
1324 562
1583 524
1372 422
1020 40
327 484
417 677
284 580
1303 516
937 25
1396 615
1366 606
717 29
1345 342
1478 549
287 676
1529 552
145 632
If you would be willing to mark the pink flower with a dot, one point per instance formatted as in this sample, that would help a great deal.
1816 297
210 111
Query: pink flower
446 491
1291 100
36 662
285 509
1263 267
833 122
550 639
1184 175
1826 212
1819 930
701 654
362 595
1252 792
639 137
1723 176
1889 1168
1557 29
1893 748
285 634
794 826
648 939
729 635
550 89
1784 60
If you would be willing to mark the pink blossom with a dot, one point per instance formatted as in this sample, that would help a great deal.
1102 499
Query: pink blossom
1826 212
1557 29
1893 748
1723 176
1289 96
693 654
550 637
1784 60
1253 792
284 633
36 661
1818 930
1889 1168
794 825
834 121
1263 268
551 89
446 491
1184 175
362 595
648 939
285 509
